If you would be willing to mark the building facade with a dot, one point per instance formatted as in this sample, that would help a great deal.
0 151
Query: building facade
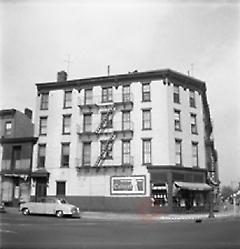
129 142
16 147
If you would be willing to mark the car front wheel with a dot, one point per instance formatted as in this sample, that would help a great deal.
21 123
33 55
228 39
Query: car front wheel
25 211
59 214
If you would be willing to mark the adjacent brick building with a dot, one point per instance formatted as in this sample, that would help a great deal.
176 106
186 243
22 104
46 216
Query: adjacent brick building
16 146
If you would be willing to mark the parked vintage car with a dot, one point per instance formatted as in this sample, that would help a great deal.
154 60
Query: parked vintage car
50 205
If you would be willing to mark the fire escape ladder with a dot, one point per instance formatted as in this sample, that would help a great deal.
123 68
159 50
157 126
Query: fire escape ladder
107 147
104 120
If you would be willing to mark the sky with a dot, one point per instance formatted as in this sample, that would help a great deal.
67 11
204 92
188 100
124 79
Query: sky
38 37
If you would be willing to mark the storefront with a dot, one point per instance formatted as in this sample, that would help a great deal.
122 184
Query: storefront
179 189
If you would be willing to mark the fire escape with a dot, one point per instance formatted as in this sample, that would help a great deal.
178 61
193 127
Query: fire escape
109 143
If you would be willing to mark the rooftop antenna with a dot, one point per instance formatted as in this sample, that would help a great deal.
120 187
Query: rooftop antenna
108 69
68 61
192 66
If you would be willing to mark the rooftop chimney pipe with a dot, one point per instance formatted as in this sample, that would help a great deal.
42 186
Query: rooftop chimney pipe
61 76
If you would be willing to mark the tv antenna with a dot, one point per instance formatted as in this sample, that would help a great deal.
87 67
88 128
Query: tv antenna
68 62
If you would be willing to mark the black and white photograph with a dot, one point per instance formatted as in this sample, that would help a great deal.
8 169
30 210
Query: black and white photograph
119 124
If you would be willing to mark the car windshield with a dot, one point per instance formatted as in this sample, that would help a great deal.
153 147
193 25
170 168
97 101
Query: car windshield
62 201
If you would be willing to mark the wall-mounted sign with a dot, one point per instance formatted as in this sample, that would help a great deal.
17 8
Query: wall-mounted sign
128 185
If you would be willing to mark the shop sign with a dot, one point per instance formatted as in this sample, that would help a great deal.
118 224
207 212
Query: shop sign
128 185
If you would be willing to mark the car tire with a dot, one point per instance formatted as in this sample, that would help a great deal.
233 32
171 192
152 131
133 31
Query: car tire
25 211
59 213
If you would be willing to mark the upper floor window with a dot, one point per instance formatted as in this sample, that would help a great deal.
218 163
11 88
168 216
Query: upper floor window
106 149
177 120
192 100
146 119
146 94
66 124
65 154
16 157
126 120
194 154
43 126
41 155
67 103
107 120
88 96
126 158
194 123
44 101
86 154
87 122
126 93
8 128
107 94
147 147
178 152
176 94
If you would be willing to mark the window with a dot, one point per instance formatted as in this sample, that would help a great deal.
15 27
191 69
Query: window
16 157
44 101
146 151
41 155
86 154
146 119
87 122
43 126
126 93
8 128
126 152
67 99
107 147
176 95
61 188
107 120
178 152
66 124
194 123
107 94
88 96
65 155
146 92
177 120
192 100
194 154
126 121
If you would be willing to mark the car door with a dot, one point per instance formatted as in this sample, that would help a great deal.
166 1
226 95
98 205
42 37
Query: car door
50 206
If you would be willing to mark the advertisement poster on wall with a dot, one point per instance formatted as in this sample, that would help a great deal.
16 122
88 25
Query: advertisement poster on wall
128 185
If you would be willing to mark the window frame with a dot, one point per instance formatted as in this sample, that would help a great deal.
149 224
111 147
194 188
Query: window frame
88 100
146 123
193 120
177 120
43 128
8 131
39 165
192 99
126 95
44 102
176 94
149 153
86 155
178 153
128 154
107 94
16 157
67 101
146 94
65 163
109 154
195 155
109 121
65 131
87 126
126 123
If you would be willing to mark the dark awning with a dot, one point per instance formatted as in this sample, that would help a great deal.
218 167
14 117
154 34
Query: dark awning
40 173
193 186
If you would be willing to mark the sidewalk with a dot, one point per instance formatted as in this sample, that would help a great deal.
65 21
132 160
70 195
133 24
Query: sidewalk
146 217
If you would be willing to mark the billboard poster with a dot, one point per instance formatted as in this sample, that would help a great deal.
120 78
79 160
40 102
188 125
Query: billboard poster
128 185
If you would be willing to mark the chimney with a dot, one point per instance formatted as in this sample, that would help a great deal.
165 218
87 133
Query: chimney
61 76
28 113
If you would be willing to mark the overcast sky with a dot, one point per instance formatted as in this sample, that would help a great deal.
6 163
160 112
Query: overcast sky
201 36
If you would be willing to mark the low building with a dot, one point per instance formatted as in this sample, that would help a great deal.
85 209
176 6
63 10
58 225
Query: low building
16 146
129 142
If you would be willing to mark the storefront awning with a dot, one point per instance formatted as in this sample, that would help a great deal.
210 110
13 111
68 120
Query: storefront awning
193 186
40 173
